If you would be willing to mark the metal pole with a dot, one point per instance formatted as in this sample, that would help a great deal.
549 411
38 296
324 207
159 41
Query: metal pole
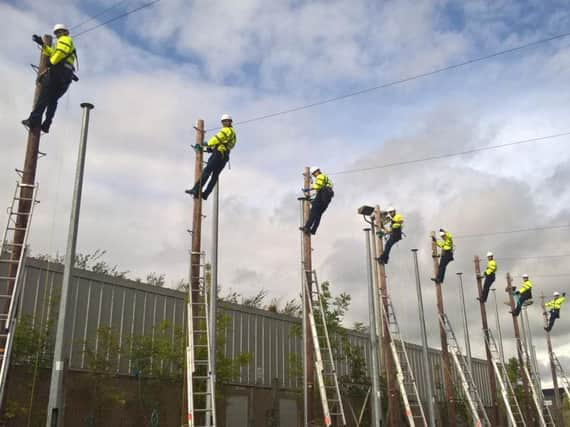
427 367
305 323
498 323
376 394
465 323
214 283
532 355
55 406
379 317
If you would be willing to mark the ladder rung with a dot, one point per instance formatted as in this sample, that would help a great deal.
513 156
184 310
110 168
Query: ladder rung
10 261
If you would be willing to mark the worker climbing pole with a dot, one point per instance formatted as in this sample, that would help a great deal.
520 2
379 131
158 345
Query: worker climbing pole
447 377
529 412
495 418
25 199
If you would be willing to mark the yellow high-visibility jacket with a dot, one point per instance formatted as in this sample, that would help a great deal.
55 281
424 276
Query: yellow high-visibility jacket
321 181
447 243
224 140
491 267
526 286
63 48
555 303
397 221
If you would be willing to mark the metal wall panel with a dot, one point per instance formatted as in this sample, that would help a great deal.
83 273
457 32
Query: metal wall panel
133 308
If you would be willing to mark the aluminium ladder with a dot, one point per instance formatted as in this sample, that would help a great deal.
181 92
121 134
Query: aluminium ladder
562 375
514 412
200 381
11 272
544 416
404 374
325 368
467 383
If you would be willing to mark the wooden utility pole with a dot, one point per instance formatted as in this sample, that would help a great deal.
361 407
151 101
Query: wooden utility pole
388 366
447 377
196 250
28 177
557 403
527 399
495 419
307 269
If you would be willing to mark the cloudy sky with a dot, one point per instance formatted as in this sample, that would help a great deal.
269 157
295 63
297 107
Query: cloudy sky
152 74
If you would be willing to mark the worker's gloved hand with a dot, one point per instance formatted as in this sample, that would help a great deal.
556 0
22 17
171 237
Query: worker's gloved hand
563 294
197 147
208 149
517 293
306 190
38 39
433 238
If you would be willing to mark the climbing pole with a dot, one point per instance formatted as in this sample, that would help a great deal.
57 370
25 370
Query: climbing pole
562 375
331 400
408 388
200 383
543 411
12 258
467 383
512 407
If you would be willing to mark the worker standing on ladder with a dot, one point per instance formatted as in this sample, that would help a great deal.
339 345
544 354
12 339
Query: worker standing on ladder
446 245
396 222
324 194
489 275
220 146
57 78
555 304
524 293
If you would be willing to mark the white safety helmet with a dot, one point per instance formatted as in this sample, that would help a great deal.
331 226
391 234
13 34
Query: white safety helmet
556 294
226 117
525 276
442 232
391 209
489 254
313 169
59 27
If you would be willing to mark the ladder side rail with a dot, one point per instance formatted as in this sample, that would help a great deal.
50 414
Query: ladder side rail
504 382
318 359
399 370
466 380
17 281
9 211
534 395
212 395
562 375
329 350
190 367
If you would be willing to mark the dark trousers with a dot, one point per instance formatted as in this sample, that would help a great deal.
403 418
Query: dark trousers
487 286
54 84
446 258
522 298
318 207
214 167
554 314
395 237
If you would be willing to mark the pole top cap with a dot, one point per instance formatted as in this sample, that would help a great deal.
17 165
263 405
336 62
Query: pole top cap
87 105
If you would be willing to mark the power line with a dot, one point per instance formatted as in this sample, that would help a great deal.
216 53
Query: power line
122 15
448 155
401 80
516 258
104 11
520 230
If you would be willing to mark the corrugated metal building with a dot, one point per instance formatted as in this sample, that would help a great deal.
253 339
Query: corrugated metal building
133 308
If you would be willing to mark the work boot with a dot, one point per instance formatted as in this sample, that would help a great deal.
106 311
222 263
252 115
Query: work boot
191 192
304 230
27 123
45 126
433 279
205 196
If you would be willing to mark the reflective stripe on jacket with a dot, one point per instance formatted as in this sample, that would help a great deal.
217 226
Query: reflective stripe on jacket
64 48
447 243
555 303
321 181
491 267
397 221
526 286
224 140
